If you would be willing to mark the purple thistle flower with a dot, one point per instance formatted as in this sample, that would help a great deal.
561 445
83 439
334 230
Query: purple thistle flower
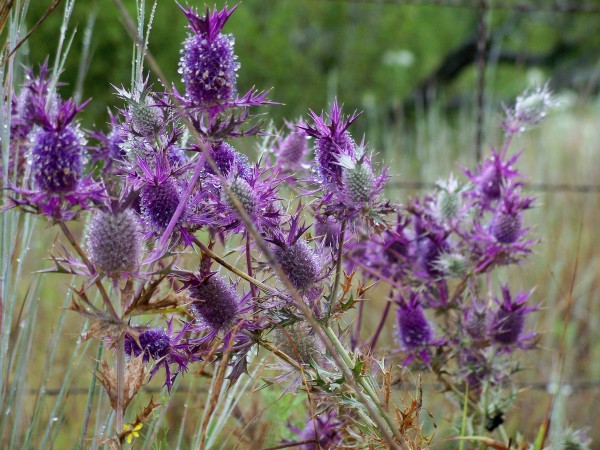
327 229
227 158
57 149
508 322
506 225
476 320
332 141
493 176
165 347
257 196
208 64
158 201
216 301
414 331
110 149
114 242
291 150
325 429
299 262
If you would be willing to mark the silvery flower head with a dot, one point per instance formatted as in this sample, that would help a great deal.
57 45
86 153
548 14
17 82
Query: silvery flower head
208 64
114 242
530 108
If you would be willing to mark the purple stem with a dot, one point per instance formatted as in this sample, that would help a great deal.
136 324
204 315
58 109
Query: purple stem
184 198
375 338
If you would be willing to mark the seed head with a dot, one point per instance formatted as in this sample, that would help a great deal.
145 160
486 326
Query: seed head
56 159
114 242
159 202
299 262
215 301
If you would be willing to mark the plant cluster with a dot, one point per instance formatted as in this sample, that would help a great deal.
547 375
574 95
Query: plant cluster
232 255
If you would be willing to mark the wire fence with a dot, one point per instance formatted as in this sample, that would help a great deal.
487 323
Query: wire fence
481 60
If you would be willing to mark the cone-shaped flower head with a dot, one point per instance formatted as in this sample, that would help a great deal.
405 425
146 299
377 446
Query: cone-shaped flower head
215 300
506 225
530 108
57 149
241 190
154 342
509 320
114 242
358 181
146 119
332 141
299 262
159 201
493 175
227 158
291 150
449 198
299 342
208 65
476 320
414 331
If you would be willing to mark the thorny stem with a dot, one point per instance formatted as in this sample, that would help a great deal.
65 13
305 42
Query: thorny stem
249 266
338 270
182 203
90 267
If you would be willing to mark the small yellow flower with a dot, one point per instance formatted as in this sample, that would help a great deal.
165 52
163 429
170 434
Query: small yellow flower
132 432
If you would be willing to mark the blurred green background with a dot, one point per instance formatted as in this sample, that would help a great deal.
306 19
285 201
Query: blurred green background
373 55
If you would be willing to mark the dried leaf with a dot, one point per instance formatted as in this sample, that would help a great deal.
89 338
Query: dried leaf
136 374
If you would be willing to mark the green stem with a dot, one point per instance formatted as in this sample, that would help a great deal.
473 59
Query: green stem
338 270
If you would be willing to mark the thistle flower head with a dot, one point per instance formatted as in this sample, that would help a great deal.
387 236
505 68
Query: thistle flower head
476 320
508 322
298 341
299 262
449 198
530 108
114 242
57 149
158 201
290 151
493 176
506 225
142 116
155 343
257 195
332 141
227 159
453 265
208 64
327 229
414 331
166 347
216 301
